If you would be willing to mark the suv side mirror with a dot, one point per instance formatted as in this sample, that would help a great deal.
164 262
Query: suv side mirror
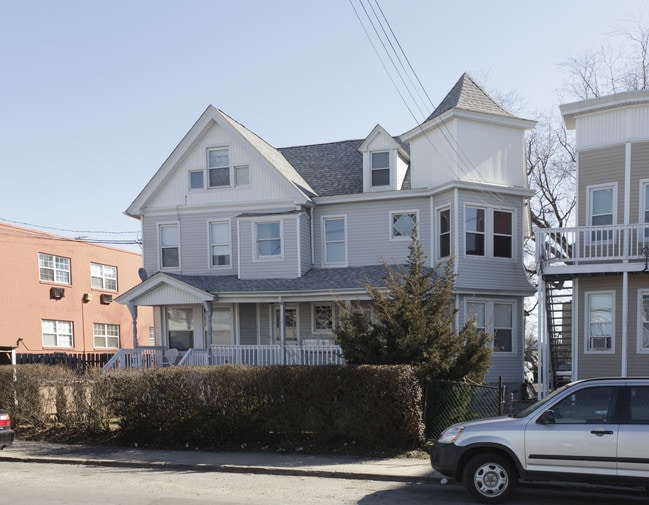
547 417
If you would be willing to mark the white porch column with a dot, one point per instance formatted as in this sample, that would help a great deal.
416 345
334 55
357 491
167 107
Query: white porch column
133 310
282 329
209 310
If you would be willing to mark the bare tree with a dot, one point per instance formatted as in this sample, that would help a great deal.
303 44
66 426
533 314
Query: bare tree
621 65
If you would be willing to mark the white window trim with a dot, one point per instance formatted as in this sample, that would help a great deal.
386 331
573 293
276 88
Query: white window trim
320 331
228 222
274 311
57 333
105 336
589 209
263 259
325 262
391 237
489 232
159 245
229 167
54 269
639 348
103 277
643 183
234 176
230 308
587 349
438 227
189 179
490 320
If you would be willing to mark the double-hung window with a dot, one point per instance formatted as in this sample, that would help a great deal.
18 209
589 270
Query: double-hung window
53 268
218 168
220 243
169 246
502 237
495 318
380 169
475 231
268 239
644 207
57 333
602 211
103 277
222 326
105 335
444 227
600 321
335 240
403 224
643 322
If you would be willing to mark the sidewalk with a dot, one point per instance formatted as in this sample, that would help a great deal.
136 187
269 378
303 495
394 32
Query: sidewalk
340 467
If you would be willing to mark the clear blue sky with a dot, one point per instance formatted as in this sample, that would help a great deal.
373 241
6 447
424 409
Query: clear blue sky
94 95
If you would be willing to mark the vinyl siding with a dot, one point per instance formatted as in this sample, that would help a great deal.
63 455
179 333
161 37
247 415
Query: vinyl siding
487 273
612 126
600 166
368 230
639 172
280 267
265 183
508 365
594 364
468 151
305 243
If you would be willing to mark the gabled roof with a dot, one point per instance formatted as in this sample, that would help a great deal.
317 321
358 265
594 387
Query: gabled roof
335 168
255 145
468 95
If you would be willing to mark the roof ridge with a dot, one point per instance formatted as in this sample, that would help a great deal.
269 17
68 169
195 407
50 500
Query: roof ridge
467 94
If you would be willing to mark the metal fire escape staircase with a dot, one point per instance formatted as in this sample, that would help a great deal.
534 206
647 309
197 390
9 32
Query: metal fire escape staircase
558 314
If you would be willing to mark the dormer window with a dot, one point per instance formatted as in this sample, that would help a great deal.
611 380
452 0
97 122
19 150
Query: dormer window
218 168
380 169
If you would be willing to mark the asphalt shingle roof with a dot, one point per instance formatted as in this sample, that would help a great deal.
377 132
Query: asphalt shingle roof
468 95
316 279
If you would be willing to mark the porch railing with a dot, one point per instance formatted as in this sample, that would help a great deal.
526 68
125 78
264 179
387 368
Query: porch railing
142 357
263 355
259 355
589 245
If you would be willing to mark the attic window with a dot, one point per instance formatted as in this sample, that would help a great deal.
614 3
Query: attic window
381 169
218 167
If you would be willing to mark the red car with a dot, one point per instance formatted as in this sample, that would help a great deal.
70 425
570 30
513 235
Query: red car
6 433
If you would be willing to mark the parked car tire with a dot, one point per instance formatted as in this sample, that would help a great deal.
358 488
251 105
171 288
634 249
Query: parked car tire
489 478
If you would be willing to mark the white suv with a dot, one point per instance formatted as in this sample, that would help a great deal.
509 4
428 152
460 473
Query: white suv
594 431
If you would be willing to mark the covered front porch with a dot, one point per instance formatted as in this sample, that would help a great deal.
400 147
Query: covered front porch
225 320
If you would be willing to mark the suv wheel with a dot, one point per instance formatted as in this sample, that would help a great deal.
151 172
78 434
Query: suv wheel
489 478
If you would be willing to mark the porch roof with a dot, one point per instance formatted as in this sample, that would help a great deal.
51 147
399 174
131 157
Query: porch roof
317 280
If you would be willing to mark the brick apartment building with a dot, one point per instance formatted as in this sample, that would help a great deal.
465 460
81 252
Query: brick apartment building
57 295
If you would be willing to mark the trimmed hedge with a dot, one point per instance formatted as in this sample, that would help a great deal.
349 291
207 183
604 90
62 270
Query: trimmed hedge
226 406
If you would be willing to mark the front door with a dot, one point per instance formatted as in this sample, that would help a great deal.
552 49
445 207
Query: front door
290 322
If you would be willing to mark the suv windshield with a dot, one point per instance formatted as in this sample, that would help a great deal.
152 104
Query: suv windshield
534 406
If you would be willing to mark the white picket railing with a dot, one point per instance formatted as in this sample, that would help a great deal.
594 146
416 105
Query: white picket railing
258 355
590 245
263 355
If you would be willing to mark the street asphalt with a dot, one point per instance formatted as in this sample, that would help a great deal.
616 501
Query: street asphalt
275 463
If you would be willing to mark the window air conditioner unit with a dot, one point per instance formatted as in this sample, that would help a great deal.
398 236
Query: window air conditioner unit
57 293
599 343
106 299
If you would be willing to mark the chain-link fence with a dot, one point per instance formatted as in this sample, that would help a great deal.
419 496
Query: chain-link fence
447 403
